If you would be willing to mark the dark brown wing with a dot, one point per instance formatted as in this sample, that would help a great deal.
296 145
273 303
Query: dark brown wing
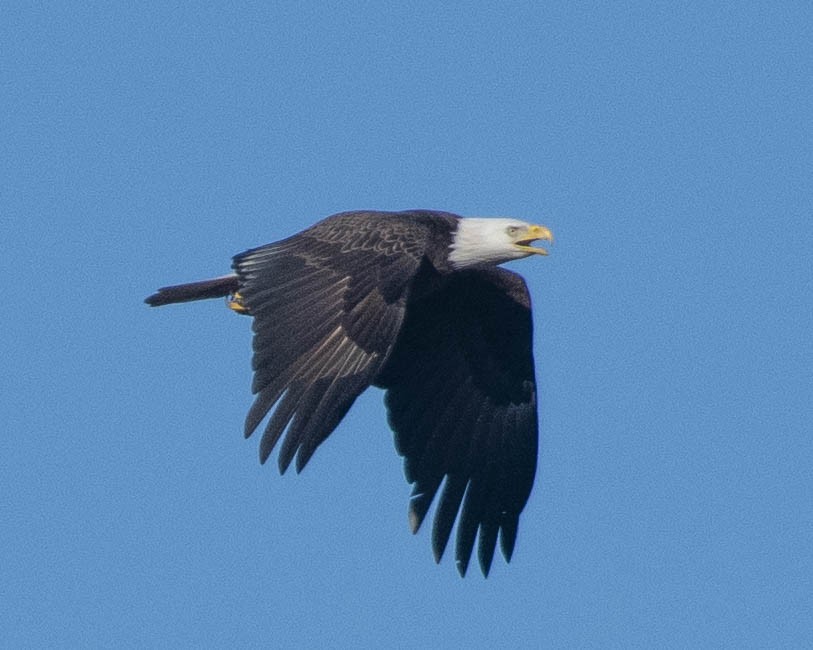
327 304
462 402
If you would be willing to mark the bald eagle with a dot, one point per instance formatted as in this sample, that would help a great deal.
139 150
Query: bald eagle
414 303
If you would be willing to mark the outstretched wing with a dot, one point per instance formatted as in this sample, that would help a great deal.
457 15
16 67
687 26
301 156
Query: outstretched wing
461 398
327 304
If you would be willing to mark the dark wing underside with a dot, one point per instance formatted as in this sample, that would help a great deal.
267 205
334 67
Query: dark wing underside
462 402
327 304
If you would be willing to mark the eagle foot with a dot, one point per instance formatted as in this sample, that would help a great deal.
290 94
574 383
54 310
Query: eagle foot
235 303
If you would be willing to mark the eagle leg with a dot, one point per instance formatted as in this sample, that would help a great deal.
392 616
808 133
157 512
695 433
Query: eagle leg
235 303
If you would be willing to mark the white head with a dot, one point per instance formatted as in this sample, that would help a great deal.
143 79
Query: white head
487 242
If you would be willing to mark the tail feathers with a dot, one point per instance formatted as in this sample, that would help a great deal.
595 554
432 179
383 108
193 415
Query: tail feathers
214 288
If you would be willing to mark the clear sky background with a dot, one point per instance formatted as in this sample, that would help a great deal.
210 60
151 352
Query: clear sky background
669 149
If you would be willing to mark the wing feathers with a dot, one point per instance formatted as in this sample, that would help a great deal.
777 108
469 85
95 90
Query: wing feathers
461 400
279 420
453 490
335 356
322 328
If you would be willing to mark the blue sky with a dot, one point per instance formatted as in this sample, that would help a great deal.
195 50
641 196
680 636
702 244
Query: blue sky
668 148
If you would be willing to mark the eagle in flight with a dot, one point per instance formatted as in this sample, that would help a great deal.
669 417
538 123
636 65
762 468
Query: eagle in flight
415 303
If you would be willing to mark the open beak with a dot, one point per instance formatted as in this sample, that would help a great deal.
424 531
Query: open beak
535 233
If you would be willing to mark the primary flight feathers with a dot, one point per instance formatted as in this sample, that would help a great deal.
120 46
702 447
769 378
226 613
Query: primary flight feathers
412 302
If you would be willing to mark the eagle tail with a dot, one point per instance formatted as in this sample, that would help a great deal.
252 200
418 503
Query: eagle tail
226 285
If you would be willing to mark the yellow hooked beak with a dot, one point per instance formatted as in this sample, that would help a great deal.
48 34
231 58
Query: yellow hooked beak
534 233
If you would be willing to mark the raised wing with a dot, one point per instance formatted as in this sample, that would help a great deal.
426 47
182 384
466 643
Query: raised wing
462 402
327 304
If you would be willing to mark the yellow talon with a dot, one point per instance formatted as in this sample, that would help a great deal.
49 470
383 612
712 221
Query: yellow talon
235 303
